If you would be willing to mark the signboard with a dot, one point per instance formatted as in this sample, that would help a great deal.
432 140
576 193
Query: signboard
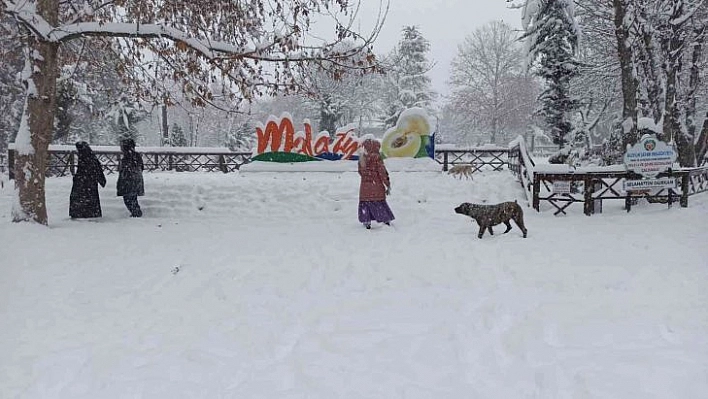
561 187
649 184
650 156
278 140
411 137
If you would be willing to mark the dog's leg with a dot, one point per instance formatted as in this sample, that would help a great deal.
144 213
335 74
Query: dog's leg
508 226
491 232
519 220
481 231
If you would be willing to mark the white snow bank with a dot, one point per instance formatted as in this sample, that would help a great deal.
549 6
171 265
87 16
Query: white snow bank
392 164
266 286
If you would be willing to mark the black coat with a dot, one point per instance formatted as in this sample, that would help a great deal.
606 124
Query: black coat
130 175
84 201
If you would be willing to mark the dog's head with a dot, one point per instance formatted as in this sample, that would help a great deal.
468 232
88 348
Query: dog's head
467 209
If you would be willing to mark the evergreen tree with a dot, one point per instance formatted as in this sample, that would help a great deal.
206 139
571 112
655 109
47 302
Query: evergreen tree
241 137
408 84
553 37
123 117
177 137
66 98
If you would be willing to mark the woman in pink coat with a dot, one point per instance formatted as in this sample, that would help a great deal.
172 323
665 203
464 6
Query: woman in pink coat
374 186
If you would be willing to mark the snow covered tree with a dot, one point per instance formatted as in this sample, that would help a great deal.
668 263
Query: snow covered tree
177 137
251 43
552 37
489 82
407 83
123 117
341 100
242 137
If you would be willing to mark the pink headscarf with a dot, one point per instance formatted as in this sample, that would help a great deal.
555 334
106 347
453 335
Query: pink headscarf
371 153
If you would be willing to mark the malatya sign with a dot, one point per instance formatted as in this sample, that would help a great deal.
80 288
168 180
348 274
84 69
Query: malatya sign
649 157
279 142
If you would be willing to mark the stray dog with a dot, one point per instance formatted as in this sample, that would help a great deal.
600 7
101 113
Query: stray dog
492 215
462 171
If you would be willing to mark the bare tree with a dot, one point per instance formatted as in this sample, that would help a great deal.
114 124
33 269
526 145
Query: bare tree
253 44
489 81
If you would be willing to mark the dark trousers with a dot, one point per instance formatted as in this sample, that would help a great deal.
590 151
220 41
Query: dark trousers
131 202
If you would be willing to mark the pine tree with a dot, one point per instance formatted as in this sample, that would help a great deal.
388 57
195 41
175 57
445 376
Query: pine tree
123 119
553 38
178 139
408 84
241 137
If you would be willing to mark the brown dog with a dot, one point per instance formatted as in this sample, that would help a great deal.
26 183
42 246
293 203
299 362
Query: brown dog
462 171
492 215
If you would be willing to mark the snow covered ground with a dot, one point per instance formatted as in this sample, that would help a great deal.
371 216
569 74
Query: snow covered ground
261 285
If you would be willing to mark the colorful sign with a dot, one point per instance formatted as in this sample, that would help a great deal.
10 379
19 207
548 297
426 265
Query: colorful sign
278 141
649 184
411 137
650 156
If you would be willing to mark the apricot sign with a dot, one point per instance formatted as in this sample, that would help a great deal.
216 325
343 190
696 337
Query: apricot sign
411 137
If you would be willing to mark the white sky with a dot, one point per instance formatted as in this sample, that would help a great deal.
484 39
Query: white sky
444 23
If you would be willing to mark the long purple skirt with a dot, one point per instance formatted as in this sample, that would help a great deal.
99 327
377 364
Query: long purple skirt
374 210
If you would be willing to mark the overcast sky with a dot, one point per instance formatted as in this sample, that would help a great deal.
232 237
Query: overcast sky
444 23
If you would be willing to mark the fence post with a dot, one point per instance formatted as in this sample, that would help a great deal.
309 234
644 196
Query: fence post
685 180
445 161
72 167
222 164
588 204
170 166
11 163
536 190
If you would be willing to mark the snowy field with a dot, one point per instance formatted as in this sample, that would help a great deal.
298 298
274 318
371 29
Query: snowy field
259 285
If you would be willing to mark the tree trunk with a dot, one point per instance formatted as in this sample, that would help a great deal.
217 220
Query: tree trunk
629 81
674 107
694 80
648 56
30 164
166 127
702 142
671 105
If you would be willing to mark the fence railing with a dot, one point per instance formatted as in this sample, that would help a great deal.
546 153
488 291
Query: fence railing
62 159
587 187
488 157
522 165
591 188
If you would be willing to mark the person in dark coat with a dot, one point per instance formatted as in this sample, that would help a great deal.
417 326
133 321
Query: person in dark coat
84 201
374 186
130 177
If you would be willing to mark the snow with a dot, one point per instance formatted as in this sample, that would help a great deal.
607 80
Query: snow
648 123
23 140
265 286
392 164
145 149
455 147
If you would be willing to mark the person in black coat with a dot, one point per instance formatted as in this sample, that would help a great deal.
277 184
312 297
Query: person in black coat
130 177
84 201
